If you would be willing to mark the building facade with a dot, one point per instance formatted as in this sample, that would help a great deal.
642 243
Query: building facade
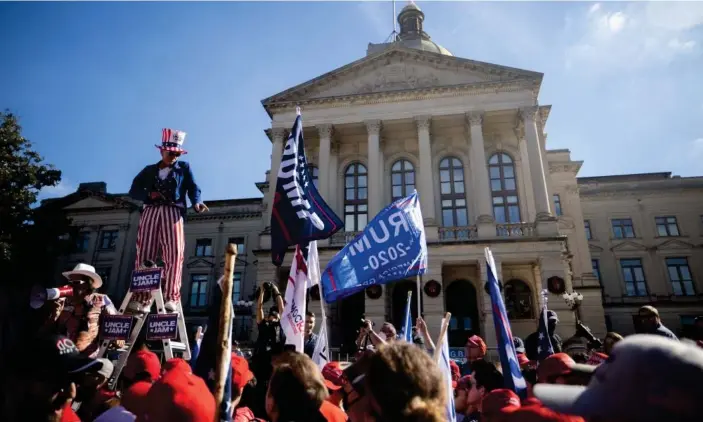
645 235
470 137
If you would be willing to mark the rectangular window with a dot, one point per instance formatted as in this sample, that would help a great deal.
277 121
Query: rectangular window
633 274
236 287
108 239
666 226
83 242
587 225
596 269
198 291
557 204
623 228
203 247
239 241
680 276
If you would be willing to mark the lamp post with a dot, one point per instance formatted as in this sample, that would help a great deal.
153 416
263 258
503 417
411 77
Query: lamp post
573 301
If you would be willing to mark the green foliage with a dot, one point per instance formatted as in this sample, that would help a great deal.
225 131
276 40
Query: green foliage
29 237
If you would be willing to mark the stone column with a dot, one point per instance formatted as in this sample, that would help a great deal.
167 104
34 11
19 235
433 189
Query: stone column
374 166
324 176
479 175
525 175
333 185
278 135
534 152
426 179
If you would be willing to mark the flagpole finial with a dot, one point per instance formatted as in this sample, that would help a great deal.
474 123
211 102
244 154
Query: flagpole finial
297 110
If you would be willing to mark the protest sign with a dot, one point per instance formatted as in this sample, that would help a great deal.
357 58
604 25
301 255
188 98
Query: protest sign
145 280
116 327
162 326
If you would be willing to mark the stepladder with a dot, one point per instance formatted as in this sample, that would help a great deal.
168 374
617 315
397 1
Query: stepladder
149 280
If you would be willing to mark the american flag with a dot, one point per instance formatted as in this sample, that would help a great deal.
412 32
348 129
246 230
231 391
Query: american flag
544 343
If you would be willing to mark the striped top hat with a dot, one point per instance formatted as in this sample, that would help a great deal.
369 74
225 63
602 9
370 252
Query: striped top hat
172 140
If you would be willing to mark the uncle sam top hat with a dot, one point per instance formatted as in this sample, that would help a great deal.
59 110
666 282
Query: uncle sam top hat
172 140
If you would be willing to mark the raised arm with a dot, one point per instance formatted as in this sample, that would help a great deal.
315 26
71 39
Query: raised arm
260 306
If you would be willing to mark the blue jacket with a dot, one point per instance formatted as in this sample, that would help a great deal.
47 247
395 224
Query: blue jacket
185 185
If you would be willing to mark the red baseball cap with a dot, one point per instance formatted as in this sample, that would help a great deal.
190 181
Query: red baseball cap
539 414
142 361
560 364
134 398
476 341
499 402
456 372
241 374
333 375
522 359
179 395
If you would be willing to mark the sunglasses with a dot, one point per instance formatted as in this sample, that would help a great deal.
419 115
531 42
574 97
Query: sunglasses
174 154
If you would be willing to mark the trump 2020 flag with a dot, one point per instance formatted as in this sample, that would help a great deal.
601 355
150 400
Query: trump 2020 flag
293 316
299 214
321 354
446 369
504 336
407 331
391 247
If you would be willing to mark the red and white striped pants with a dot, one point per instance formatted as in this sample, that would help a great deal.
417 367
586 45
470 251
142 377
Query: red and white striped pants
161 232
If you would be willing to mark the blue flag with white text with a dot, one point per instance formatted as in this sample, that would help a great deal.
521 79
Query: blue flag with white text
391 247
504 336
299 214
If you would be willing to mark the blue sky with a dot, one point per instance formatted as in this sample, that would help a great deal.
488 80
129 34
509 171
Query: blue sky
94 83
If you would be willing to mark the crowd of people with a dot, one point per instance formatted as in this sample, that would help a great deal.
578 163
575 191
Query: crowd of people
55 375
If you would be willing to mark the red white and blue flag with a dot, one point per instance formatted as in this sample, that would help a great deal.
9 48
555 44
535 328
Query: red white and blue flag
506 349
299 280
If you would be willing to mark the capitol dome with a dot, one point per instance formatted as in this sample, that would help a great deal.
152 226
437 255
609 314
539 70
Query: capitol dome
411 34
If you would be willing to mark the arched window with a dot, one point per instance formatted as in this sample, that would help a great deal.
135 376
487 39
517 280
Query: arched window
402 179
506 208
314 174
355 198
518 300
453 197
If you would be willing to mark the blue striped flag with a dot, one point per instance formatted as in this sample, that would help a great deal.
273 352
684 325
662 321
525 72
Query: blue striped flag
504 336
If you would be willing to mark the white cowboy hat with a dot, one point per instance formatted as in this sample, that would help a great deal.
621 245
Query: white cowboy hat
86 270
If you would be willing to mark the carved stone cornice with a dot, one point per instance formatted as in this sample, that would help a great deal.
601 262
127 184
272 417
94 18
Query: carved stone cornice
278 134
373 127
565 167
528 113
325 131
474 118
423 123
472 89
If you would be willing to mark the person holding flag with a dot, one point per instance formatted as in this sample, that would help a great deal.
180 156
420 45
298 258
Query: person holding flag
299 217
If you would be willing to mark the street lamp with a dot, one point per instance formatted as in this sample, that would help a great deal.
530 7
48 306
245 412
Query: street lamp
573 301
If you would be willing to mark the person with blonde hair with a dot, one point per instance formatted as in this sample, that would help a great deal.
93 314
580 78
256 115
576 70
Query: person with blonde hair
403 383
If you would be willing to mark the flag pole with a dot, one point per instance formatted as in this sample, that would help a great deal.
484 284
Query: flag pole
224 342
419 295
440 340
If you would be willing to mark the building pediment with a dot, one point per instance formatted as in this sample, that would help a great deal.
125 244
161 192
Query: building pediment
398 69
594 248
200 263
627 246
674 244
88 203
